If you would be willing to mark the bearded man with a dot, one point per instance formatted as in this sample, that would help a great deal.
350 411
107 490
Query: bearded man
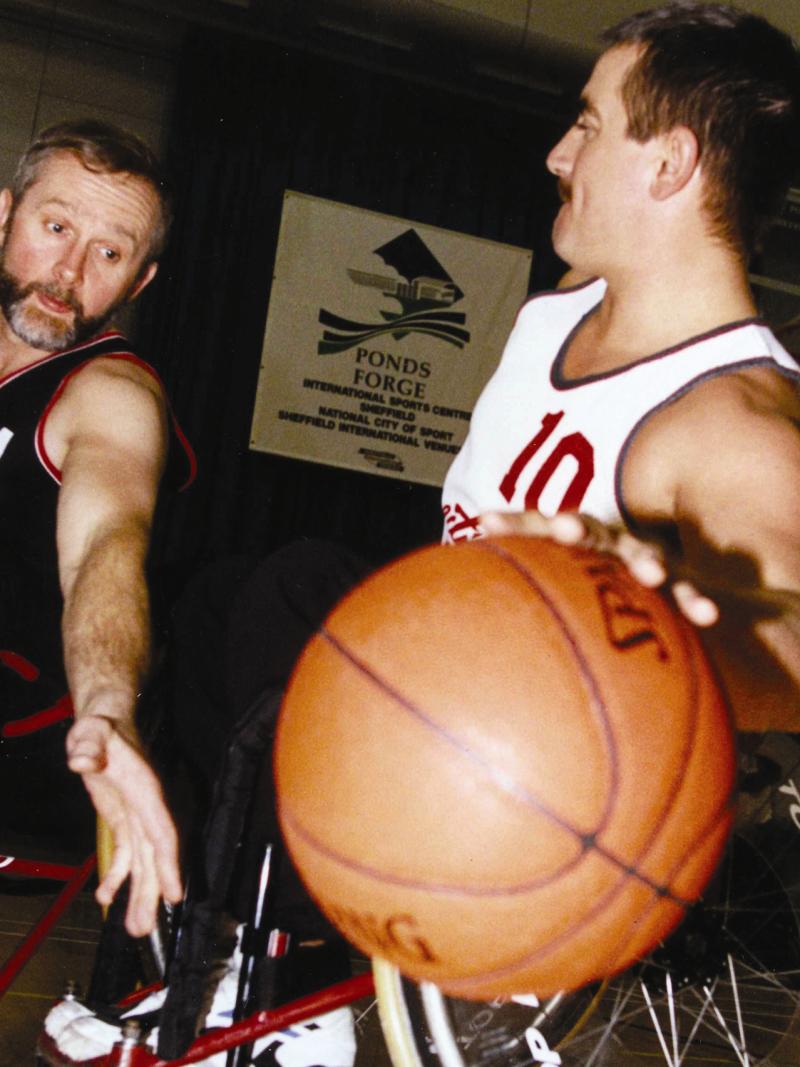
84 439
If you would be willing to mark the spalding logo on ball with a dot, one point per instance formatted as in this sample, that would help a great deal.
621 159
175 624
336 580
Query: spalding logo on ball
505 766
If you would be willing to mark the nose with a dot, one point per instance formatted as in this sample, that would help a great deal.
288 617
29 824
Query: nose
562 156
69 266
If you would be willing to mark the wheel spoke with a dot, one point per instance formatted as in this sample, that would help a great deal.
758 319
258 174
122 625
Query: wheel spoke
735 988
618 1015
741 1053
657 1027
698 1020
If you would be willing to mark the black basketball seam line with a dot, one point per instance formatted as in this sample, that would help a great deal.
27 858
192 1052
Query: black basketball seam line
520 794
675 791
667 808
662 891
587 674
677 786
440 889
691 660
710 827
690 656
557 943
554 945
725 804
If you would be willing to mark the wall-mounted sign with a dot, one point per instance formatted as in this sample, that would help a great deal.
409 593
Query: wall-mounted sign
380 335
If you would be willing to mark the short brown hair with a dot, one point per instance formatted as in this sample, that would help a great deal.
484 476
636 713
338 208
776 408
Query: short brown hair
104 149
734 80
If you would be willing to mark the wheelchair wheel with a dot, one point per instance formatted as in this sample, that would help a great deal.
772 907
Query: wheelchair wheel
724 989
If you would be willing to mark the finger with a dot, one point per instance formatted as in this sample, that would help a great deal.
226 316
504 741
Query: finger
86 762
570 528
140 918
111 808
644 560
573 528
86 746
158 832
698 609
510 523
118 870
168 867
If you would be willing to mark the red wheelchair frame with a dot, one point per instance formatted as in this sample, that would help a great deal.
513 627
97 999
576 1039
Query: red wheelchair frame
75 878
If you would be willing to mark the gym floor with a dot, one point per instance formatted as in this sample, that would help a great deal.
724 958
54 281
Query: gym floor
67 954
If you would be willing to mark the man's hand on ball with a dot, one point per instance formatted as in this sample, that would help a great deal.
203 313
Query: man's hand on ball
644 560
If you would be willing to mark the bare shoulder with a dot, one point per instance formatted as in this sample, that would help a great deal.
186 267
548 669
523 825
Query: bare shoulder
115 402
734 436
742 412
754 391
108 374
738 460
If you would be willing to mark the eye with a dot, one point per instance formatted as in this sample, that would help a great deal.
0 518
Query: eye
55 227
584 122
587 129
110 255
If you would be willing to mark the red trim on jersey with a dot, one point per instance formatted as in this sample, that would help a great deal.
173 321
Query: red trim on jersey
57 355
187 448
130 357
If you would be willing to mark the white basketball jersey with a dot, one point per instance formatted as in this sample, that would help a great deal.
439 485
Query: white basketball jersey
538 441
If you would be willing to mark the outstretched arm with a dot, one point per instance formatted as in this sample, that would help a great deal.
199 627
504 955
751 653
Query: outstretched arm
106 433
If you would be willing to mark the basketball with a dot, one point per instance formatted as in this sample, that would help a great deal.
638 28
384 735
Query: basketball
505 766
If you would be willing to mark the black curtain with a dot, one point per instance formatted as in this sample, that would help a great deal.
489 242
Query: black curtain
251 120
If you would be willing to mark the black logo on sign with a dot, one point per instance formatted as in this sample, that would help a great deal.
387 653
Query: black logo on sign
421 286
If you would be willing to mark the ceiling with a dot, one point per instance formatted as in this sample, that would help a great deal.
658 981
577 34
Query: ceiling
534 51
572 24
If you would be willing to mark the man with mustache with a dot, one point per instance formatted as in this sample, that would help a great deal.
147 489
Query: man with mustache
650 406
84 439
651 398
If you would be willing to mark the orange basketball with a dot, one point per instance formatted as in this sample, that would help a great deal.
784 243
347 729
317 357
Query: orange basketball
505 766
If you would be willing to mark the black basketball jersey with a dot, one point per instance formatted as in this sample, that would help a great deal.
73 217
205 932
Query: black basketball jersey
32 676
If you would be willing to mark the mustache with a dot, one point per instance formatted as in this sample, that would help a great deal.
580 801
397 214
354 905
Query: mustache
64 296
564 191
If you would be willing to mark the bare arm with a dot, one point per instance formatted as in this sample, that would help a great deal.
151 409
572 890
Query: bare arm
107 435
739 523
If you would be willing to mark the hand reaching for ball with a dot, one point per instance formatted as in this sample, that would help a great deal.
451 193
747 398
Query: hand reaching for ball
643 559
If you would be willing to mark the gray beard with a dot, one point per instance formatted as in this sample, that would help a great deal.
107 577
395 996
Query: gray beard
35 327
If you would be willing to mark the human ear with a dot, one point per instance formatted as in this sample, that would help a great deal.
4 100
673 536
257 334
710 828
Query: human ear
677 158
6 201
144 279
